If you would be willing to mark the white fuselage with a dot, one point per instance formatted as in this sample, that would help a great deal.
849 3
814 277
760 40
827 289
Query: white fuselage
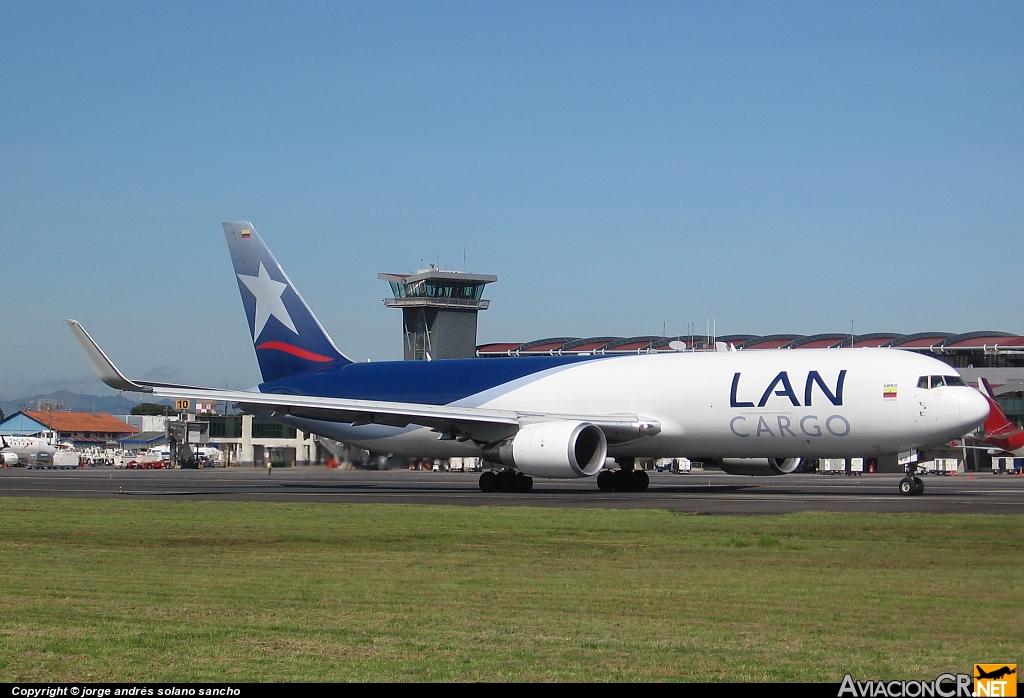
770 403
27 448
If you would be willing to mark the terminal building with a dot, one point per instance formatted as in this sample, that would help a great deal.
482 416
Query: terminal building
244 439
971 350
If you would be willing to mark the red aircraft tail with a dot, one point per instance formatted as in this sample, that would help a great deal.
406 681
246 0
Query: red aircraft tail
996 424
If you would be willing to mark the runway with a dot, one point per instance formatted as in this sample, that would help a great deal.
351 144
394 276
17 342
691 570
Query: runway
705 492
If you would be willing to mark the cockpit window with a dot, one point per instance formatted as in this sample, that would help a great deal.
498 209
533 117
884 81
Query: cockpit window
927 382
939 381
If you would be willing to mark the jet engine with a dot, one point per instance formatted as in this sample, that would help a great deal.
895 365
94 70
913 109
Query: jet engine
759 466
8 458
561 449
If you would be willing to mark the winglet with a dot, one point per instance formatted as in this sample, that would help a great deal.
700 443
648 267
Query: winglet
104 367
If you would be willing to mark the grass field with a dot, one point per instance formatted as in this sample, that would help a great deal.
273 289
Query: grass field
162 591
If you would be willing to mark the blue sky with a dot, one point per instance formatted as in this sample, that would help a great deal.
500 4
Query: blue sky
780 167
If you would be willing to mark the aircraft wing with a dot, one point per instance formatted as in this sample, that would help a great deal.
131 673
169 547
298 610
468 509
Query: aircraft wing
477 423
480 424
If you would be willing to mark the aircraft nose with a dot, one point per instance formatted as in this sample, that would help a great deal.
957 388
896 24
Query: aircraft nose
973 409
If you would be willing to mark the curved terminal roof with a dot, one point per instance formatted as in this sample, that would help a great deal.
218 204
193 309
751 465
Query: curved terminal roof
985 339
632 344
772 341
819 341
589 345
662 343
921 341
877 339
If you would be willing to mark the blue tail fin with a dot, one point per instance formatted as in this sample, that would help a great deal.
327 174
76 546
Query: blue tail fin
287 336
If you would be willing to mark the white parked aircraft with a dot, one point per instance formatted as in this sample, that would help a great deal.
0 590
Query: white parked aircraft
561 416
19 450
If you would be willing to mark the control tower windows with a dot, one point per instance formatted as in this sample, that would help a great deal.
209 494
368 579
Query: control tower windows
439 311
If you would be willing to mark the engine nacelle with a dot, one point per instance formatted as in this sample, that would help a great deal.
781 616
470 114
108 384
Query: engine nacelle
759 466
561 449
8 458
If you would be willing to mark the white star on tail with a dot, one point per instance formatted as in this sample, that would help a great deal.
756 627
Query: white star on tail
268 300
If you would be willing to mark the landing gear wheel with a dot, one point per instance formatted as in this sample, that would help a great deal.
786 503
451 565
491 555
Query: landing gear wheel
524 483
640 480
606 480
506 481
488 481
623 481
908 488
918 486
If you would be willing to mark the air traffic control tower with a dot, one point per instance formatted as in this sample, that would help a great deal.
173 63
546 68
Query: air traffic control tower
439 311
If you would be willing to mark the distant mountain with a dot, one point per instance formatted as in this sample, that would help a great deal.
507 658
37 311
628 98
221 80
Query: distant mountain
75 402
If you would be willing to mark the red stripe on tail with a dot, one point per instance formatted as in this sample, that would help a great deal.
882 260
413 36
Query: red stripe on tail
295 351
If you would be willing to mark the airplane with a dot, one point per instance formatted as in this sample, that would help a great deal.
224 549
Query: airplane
994 674
16 450
998 430
563 416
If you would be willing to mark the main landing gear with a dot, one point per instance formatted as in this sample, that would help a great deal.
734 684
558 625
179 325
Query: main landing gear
623 481
911 486
505 481
627 479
